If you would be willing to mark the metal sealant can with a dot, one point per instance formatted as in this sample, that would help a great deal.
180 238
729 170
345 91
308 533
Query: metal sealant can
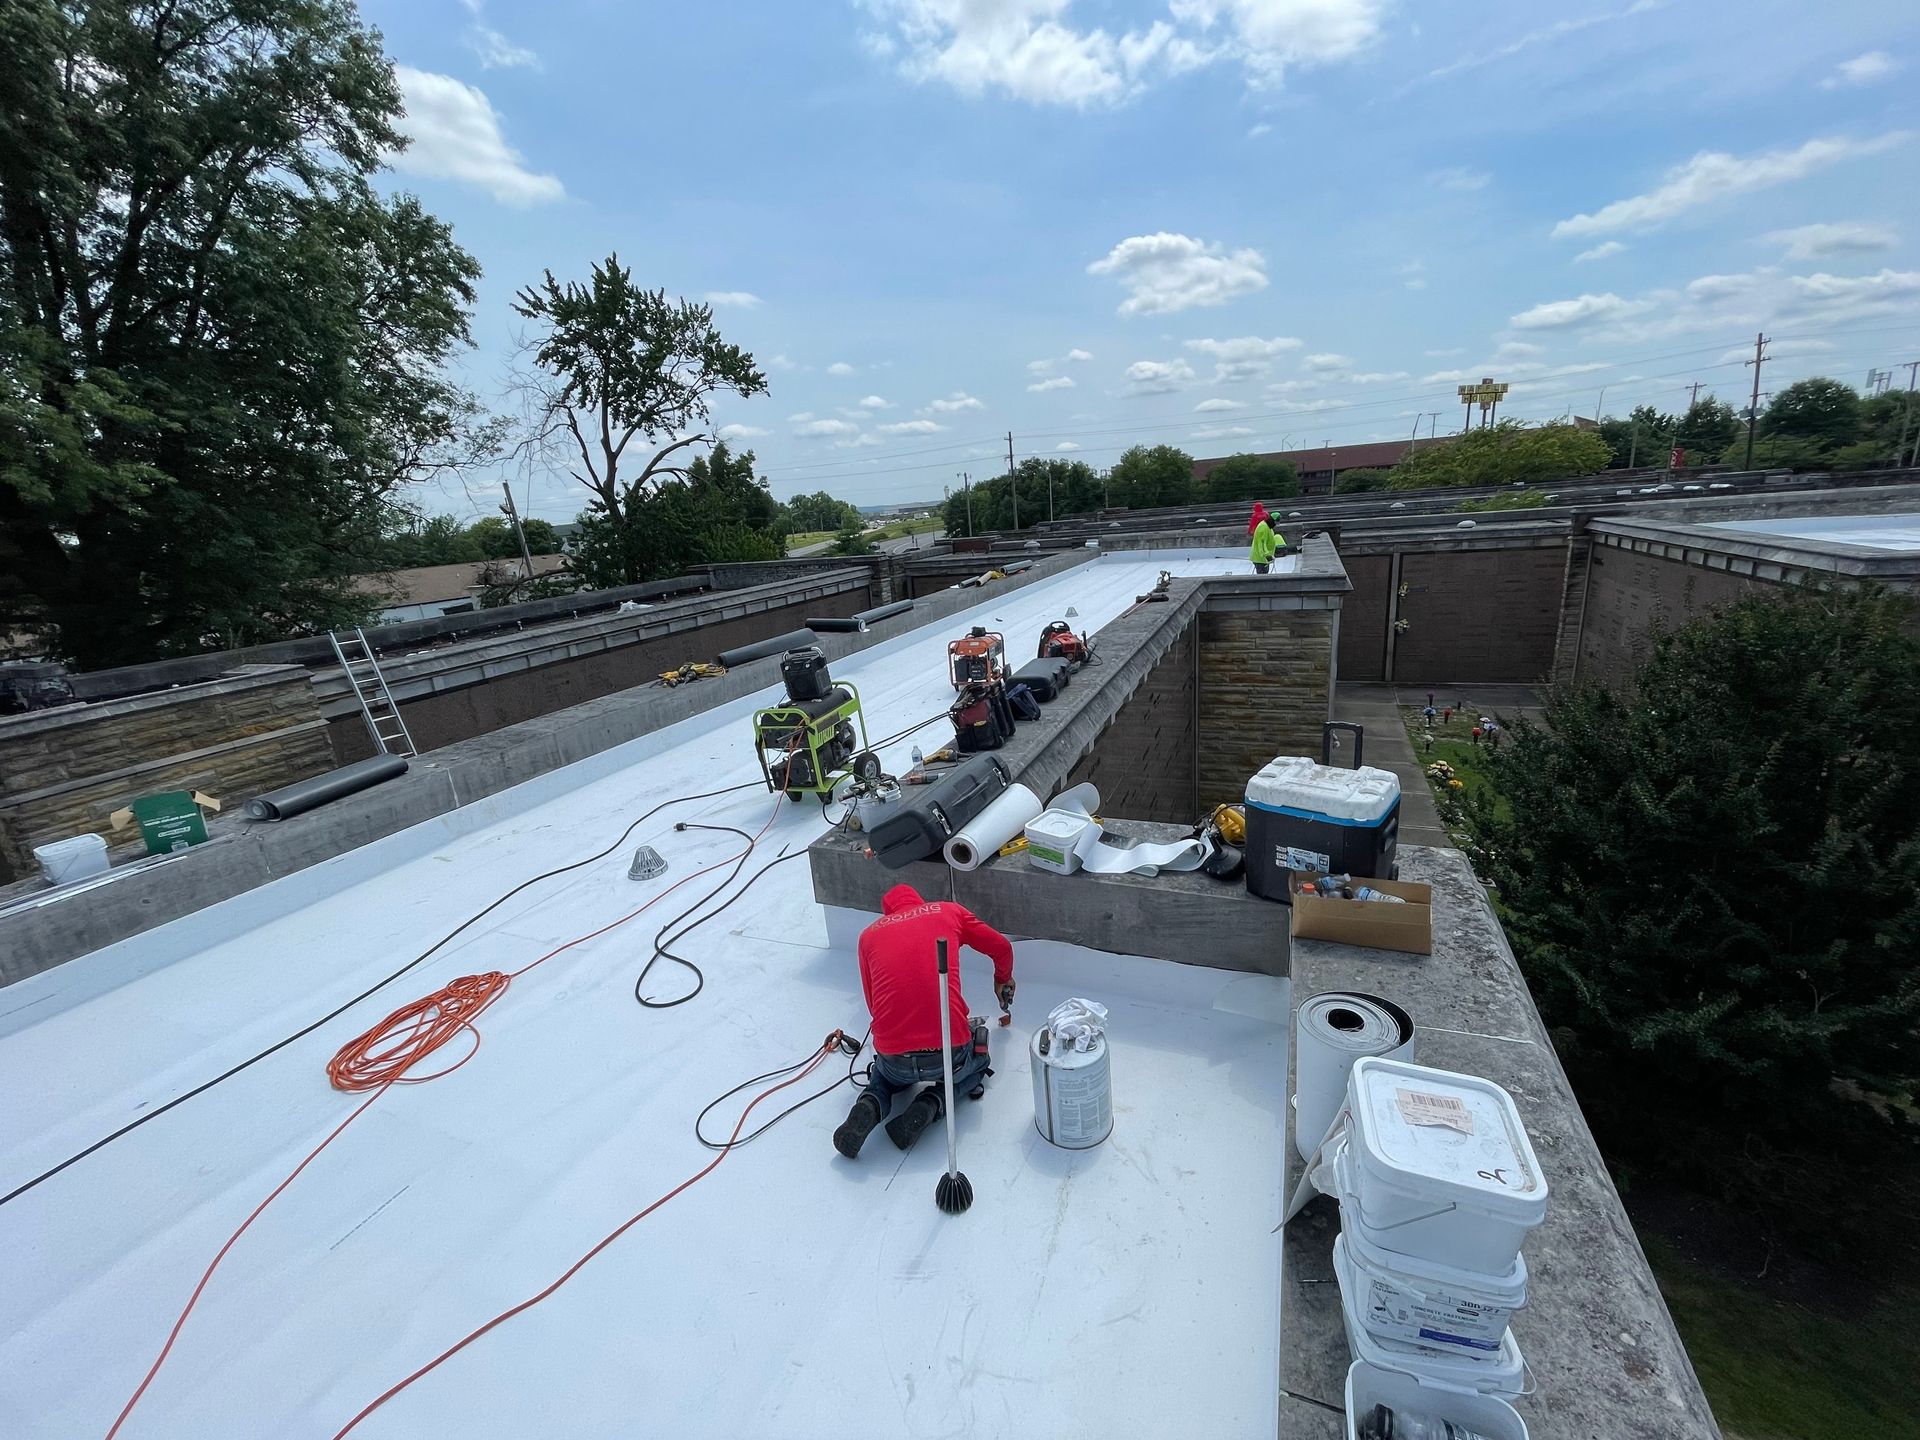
1072 1091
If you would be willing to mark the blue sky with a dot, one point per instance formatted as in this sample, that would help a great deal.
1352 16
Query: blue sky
1223 224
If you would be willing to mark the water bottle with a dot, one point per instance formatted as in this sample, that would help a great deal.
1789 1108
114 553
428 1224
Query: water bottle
1385 1423
1367 892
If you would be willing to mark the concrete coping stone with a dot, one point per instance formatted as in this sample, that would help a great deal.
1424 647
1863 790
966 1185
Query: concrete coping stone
91 712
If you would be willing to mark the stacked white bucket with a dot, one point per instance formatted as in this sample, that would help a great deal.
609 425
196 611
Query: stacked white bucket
1438 1188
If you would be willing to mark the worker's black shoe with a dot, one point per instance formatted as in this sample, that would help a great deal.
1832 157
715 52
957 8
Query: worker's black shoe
859 1124
905 1127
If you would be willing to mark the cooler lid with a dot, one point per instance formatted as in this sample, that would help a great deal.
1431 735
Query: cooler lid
1502 1373
1353 797
1424 1129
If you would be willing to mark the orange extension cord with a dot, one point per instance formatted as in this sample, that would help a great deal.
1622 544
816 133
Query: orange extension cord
381 1058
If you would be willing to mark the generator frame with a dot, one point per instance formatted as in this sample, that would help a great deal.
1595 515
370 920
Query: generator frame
818 732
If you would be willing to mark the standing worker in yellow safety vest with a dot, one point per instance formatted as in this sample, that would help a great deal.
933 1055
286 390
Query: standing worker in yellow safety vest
1267 542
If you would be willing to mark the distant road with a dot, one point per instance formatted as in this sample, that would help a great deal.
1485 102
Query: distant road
884 547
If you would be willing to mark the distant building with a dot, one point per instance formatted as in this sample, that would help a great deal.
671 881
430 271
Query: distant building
1324 464
435 590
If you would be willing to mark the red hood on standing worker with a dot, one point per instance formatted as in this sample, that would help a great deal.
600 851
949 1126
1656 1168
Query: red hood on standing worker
1259 514
898 963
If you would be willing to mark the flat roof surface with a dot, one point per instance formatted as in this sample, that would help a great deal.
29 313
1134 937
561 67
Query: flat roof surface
789 1293
1878 532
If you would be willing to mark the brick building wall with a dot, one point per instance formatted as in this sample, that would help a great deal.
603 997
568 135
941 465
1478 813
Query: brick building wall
66 771
1146 761
1265 688
1364 616
1479 614
1629 593
494 702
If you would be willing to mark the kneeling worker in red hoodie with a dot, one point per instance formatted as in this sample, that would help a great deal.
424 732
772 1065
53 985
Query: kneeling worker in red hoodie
899 971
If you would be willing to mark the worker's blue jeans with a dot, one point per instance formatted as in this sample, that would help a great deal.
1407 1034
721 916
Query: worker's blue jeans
893 1075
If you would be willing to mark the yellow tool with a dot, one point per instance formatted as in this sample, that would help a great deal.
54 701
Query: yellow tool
1231 822
692 670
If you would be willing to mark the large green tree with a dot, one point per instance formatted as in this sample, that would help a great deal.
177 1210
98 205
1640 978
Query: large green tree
220 349
1502 454
615 365
1713 884
718 512
1251 477
1819 409
1147 476
819 511
1708 427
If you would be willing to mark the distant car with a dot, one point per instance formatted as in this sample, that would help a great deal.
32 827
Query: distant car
1398 505
1693 487
1663 489
1623 492
1293 514
1461 525
1721 485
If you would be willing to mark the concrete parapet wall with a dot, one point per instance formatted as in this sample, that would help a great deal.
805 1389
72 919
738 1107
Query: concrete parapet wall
1602 1351
65 771
243 857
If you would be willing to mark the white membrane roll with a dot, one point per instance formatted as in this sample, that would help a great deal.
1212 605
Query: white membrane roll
981 838
1332 1031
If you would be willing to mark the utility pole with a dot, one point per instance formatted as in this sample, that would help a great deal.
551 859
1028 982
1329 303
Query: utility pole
1433 426
1906 416
514 515
1693 394
1014 481
1753 407
1106 488
966 484
1414 443
1049 493
1633 446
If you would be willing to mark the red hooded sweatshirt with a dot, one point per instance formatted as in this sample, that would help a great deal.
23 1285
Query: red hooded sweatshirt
1259 514
899 968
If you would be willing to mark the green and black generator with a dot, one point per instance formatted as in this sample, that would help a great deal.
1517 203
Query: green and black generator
817 738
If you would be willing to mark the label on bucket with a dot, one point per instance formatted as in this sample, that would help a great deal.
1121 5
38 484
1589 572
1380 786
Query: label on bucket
1417 1107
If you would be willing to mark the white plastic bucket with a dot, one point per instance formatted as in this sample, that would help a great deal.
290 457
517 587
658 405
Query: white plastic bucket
1072 1093
1437 1166
79 857
1052 837
1486 1416
1422 1302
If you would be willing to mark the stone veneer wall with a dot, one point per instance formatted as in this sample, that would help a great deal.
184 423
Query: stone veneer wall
1266 689
66 771
1146 763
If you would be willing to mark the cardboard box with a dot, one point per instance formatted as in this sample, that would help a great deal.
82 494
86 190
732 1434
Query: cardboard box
1378 923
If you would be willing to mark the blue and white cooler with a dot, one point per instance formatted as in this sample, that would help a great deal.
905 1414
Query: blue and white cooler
1302 815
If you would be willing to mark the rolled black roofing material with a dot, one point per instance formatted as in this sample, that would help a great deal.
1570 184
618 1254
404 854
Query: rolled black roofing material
883 612
834 625
760 649
304 795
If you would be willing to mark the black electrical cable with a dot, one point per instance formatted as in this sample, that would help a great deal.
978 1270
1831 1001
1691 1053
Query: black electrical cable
854 1074
373 989
662 940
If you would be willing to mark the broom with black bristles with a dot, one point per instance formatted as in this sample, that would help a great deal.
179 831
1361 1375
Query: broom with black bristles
954 1193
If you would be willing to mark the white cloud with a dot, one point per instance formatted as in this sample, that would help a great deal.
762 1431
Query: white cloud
737 299
780 362
1220 432
1034 51
1267 36
742 432
1244 358
1158 377
818 429
1207 407
1447 354
1415 272
1459 177
800 417
1066 445
1165 272
1287 387
1447 377
1518 350
1558 30
1058 382
1714 175
1815 242
1868 69
1856 297
1378 377
455 134
1579 311
957 401
840 368
911 427
1327 361
496 52
1308 407
1076 354
1606 249
1039 367
1256 131
874 402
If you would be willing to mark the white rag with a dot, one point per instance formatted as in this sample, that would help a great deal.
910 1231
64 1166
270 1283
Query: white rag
1077 1023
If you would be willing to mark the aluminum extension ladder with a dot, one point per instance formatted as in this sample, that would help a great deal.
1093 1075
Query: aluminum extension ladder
377 705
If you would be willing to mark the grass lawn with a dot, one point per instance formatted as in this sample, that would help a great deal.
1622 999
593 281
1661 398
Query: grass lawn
1473 765
807 537
1775 1370
900 529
